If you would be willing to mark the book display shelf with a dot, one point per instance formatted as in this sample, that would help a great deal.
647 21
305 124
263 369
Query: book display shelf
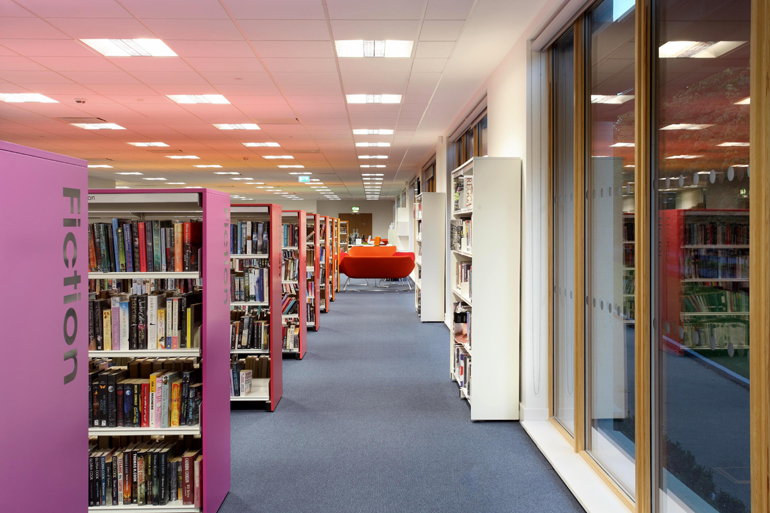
429 250
43 230
256 370
484 361
293 273
312 259
706 279
335 257
159 350
344 240
323 274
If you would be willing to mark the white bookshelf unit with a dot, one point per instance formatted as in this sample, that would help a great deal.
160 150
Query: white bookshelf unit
429 251
484 359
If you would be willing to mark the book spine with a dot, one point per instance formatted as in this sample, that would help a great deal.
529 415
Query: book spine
137 413
197 483
162 239
183 399
187 481
112 400
161 328
115 321
114 473
178 248
142 247
155 470
187 248
163 478
119 391
158 401
134 477
149 246
156 244
165 402
125 325
133 335
91 249
141 323
102 480
127 480
135 245
141 492
152 322
115 247
107 329
175 404
146 404
91 473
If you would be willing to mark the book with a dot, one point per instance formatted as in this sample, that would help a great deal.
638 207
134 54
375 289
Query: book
188 477
176 394
245 382
192 240
197 481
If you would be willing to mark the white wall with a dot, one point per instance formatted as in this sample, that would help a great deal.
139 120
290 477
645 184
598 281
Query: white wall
381 210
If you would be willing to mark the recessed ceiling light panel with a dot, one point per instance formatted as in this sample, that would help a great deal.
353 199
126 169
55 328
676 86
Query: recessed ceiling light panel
374 98
373 157
262 145
216 99
130 47
372 131
237 126
26 98
98 126
149 144
389 48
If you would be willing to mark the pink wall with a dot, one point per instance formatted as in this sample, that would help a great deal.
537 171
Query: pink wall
44 255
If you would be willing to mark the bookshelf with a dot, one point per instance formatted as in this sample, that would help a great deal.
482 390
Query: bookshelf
210 435
294 270
312 259
325 259
335 253
705 304
344 240
484 356
43 206
267 380
429 250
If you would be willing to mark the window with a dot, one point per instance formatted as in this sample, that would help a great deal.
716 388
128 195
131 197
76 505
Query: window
472 142
701 258
609 247
563 322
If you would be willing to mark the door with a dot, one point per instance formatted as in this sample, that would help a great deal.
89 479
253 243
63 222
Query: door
358 223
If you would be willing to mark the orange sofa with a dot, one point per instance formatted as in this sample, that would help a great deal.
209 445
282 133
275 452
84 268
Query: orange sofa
376 263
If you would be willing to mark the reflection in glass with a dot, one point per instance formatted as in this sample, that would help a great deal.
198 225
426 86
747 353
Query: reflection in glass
701 256
609 219
563 238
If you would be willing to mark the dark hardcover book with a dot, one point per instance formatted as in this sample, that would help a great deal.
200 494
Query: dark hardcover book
141 322
103 479
163 476
114 474
135 257
110 379
104 244
128 403
156 244
127 483
114 247
121 247
134 475
185 301
102 391
137 413
196 395
142 246
98 324
97 479
95 400
133 322
91 329
119 390
155 482
149 246
128 241
189 378
91 481
193 237
260 243
169 254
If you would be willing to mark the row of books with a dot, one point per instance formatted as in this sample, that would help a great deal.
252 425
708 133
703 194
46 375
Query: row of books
462 189
167 398
464 278
462 324
310 286
249 237
715 334
160 320
290 267
629 229
290 235
140 286
417 214
240 264
249 330
460 231
310 257
715 263
715 300
290 289
716 232
629 256
311 318
252 285
291 335
629 284
462 369
150 473
289 305
125 245
244 370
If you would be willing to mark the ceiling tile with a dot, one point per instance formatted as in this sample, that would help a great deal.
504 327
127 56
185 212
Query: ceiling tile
183 78
47 47
375 29
76 64
134 64
30 28
434 49
256 100
239 88
230 65
285 30
441 30
300 65
135 90
204 30
231 49
294 49
10 9
311 89
375 66
100 77
306 78
382 81
75 8
17 63
243 78
325 110
283 10
315 99
448 9
392 9
176 9
105 28
34 77
67 88
428 65
258 112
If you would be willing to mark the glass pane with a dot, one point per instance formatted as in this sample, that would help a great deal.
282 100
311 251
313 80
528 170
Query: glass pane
563 229
701 278
609 240
483 151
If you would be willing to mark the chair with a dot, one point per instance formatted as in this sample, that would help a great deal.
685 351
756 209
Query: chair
394 266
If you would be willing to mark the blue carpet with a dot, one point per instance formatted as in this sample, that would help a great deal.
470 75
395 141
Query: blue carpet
370 422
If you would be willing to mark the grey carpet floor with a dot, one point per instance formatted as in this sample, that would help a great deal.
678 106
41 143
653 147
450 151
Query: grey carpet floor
370 422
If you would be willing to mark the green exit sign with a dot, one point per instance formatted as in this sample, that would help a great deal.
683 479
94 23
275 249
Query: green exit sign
354 209
303 179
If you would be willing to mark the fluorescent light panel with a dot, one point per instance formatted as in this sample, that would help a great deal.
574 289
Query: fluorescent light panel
223 172
371 174
208 166
101 166
373 157
686 126
182 157
365 166
622 145
372 131
377 48
130 47
217 99
155 179
262 145
734 144
617 99
374 98
683 157
176 183
26 98
697 49
237 126
292 166
149 144
373 145
130 173
98 126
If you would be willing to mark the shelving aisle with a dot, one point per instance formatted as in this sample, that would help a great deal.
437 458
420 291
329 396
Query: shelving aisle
255 262
379 428
293 272
312 260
